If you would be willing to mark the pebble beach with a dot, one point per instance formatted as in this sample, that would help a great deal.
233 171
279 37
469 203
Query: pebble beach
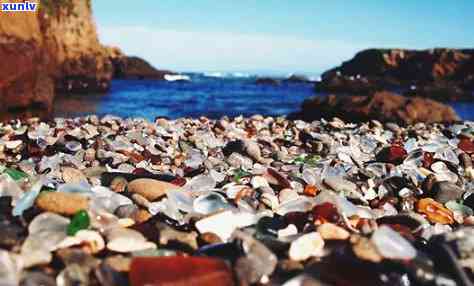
235 201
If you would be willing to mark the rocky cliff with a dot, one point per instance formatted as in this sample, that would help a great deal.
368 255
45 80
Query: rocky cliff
443 74
81 63
54 48
25 73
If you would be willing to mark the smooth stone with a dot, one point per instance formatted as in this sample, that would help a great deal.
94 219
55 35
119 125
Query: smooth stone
330 231
150 189
71 256
196 271
62 203
390 244
28 199
168 234
36 278
90 239
288 231
446 191
339 184
257 256
365 249
48 222
126 211
287 195
107 177
10 268
11 233
224 223
209 238
74 274
73 176
125 240
253 150
210 203
306 246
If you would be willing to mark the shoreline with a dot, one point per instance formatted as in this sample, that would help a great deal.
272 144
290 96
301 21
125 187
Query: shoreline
255 200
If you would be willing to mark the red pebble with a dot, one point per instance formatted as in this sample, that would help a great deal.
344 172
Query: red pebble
394 154
178 271
466 145
299 219
179 181
326 212
427 160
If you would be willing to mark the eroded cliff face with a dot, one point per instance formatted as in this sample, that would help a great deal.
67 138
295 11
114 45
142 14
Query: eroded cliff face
69 33
55 48
25 74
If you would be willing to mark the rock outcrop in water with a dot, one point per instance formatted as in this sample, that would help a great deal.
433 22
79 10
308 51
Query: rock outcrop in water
131 67
383 106
443 74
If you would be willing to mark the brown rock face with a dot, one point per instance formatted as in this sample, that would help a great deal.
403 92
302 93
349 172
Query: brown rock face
443 74
69 32
55 47
383 106
25 81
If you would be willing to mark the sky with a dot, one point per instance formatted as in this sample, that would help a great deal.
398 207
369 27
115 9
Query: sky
277 36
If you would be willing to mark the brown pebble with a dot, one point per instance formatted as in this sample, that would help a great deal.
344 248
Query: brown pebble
330 231
62 203
72 175
209 238
365 249
140 216
149 188
118 184
119 263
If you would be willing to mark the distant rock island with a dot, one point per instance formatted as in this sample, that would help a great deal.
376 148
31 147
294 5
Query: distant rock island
58 51
442 74
383 106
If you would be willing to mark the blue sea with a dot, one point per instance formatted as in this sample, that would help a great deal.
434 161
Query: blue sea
203 95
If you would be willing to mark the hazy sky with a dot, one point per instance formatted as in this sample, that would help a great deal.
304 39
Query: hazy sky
275 35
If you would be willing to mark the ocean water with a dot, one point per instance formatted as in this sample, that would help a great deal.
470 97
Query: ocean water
211 96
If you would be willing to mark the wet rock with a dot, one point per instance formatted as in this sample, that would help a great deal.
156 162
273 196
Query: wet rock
150 189
167 235
209 238
224 223
392 245
73 176
62 203
257 256
10 268
127 240
35 278
11 233
306 246
364 249
329 231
